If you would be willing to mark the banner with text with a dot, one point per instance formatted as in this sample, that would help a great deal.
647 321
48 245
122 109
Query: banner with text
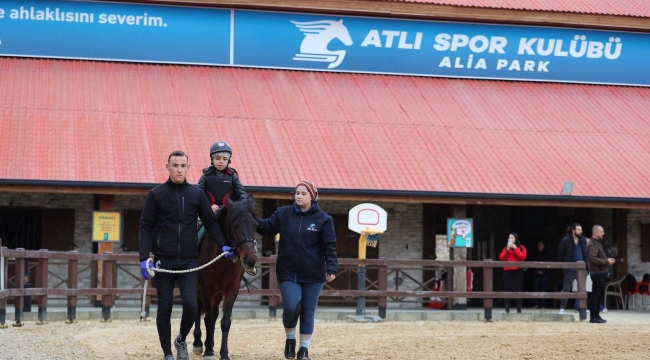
186 35
111 31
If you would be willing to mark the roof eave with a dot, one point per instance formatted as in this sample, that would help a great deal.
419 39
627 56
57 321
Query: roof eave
376 195
397 9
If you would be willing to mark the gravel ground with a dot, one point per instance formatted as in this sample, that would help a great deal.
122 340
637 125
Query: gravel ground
264 339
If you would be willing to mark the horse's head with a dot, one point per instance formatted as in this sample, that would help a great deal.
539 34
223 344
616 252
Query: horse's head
241 223
341 32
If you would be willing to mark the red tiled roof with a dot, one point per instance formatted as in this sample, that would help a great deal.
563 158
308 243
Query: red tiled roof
112 122
639 8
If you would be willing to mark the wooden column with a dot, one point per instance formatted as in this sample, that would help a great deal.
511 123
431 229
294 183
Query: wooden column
273 285
3 300
581 277
73 270
104 203
383 286
620 239
20 284
107 280
41 282
459 273
487 287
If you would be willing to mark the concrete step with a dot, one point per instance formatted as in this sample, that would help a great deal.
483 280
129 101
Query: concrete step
322 313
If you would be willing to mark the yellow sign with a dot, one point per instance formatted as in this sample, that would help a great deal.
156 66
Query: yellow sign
106 226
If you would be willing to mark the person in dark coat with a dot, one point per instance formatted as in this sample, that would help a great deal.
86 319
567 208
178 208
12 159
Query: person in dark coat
306 260
572 248
168 230
540 276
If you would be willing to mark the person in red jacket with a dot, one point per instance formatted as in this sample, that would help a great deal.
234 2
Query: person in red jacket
513 277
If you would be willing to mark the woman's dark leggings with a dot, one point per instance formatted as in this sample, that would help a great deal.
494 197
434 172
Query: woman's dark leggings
512 281
300 300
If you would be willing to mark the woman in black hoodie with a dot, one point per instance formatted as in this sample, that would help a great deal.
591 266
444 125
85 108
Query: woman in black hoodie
306 260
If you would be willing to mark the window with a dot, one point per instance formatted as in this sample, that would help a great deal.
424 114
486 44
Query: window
131 230
58 230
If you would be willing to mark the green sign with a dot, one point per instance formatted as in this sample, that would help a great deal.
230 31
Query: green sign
460 233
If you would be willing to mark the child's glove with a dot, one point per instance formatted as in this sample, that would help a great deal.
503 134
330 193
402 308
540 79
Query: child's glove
143 270
229 253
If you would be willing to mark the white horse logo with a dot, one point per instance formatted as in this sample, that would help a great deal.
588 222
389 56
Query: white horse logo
318 35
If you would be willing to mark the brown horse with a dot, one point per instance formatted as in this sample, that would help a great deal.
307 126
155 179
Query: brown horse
221 280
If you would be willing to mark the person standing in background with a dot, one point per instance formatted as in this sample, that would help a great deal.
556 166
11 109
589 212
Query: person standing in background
513 277
540 276
572 248
599 271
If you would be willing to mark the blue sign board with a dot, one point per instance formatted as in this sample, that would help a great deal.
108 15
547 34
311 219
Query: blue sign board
116 32
172 34
428 48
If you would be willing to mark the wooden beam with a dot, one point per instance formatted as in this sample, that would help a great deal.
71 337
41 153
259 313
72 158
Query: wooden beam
73 190
565 202
104 203
403 9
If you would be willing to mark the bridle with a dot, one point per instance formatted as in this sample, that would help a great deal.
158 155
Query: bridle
240 243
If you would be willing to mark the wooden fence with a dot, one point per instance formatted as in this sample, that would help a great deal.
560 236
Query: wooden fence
380 291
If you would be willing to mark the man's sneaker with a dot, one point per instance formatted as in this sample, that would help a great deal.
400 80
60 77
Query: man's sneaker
290 349
588 313
168 357
303 353
603 310
561 312
181 350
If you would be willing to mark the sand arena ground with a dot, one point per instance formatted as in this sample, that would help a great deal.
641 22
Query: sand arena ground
264 339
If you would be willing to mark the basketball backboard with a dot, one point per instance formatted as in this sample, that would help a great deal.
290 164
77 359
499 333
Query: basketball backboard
367 216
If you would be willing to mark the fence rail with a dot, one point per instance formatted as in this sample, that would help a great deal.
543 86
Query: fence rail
379 288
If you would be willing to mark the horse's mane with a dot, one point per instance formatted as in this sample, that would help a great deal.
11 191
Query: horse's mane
238 210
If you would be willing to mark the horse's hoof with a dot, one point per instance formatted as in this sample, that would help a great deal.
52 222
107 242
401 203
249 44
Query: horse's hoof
197 350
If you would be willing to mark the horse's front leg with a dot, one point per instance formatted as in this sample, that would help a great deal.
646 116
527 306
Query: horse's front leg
197 345
211 316
225 324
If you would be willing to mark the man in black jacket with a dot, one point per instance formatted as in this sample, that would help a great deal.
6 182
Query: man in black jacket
572 248
168 229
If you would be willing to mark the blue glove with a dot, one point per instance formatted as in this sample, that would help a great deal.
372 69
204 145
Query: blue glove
230 254
143 270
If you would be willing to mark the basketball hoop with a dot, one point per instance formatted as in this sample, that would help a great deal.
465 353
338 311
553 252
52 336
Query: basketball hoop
370 221
372 240
368 218
369 237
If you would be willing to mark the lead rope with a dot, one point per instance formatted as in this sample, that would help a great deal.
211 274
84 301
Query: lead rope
152 272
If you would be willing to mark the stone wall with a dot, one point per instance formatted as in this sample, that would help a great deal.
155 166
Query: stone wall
634 220
402 239
602 217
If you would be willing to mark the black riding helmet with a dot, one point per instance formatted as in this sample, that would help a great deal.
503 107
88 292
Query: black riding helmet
220 146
